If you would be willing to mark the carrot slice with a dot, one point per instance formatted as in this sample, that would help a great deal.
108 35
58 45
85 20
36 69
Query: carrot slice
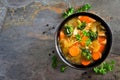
62 35
86 19
83 41
74 50
85 62
96 55
102 48
102 40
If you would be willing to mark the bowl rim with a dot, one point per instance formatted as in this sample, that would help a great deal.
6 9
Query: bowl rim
107 47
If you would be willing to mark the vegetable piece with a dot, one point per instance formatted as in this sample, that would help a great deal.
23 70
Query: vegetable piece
88 42
87 27
86 7
78 37
96 55
75 32
101 48
73 22
86 19
62 35
86 54
68 30
74 50
102 71
102 40
93 28
69 12
93 35
101 33
95 46
96 69
54 61
85 33
65 43
78 21
104 67
109 65
63 68
85 62
81 26
83 41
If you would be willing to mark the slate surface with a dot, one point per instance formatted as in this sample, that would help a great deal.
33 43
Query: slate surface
27 40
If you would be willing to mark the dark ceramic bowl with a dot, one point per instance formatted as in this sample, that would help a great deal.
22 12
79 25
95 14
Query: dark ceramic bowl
107 47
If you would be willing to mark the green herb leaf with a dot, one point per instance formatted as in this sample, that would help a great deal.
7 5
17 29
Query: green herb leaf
85 33
102 71
88 42
82 25
112 62
54 61
68 30
78 37
104 67
69 12
93 35
96 69
63 68
86 7
86 54
109 65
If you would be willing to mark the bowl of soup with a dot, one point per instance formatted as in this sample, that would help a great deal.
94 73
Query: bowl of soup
83 40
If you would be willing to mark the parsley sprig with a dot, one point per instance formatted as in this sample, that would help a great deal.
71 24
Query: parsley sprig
85 7
78 37
104 67
71 10
55 63
68 12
